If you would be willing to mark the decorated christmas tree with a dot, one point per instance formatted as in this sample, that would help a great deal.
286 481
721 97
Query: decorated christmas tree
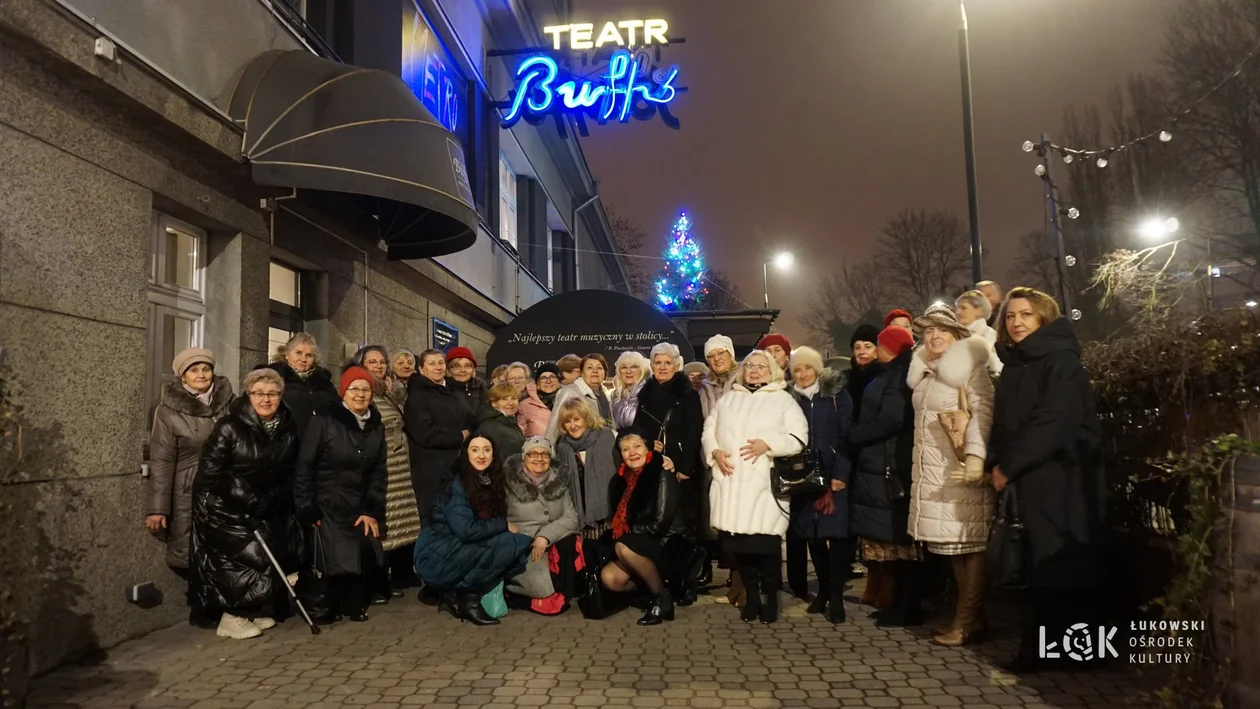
681 284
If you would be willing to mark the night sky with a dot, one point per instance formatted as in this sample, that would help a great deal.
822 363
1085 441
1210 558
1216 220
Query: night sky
809 123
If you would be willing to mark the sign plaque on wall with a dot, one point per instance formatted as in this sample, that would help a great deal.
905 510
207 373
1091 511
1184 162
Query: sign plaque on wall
445 336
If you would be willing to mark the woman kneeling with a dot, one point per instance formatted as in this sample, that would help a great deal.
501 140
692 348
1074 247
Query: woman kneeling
540 504
645 496
468 547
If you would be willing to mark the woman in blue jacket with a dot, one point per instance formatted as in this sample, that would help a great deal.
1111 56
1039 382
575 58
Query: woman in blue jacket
468 546
823 520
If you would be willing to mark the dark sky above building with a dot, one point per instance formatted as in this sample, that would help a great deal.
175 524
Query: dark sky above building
807 124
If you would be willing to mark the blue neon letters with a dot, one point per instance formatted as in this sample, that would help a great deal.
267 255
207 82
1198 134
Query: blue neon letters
537 91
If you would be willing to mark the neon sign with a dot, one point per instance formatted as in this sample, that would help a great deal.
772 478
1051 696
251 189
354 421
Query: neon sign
580 34
541 89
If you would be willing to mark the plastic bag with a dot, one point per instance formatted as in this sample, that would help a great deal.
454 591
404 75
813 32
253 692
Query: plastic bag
494 604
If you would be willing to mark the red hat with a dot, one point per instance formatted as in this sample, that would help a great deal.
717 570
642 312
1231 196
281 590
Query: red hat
774 338
896 340
898 313
351 375
460 353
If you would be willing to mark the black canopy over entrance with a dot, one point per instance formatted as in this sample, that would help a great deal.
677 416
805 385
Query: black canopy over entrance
313 123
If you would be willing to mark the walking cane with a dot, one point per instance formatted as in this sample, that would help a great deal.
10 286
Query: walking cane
284 578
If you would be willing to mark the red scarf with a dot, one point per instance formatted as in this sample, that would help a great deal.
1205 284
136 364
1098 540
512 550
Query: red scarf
619 524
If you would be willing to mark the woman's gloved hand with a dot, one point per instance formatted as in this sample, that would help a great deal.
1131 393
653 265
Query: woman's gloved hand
971 473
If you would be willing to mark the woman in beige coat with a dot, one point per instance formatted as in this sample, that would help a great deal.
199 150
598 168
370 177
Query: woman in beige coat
181 423
402 518
950 503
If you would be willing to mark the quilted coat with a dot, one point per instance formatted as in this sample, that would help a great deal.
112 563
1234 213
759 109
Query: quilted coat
881 442
829 413
305 396
402 517
1046 440
242 485
712 389
544 510
181 424
943 511
340 475
742 503
475 392
457 550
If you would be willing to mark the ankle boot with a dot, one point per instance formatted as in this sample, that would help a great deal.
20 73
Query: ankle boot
771 581
470 609
751 576
874 581
662 609
887 585
835 609
819 605
906 611
969 626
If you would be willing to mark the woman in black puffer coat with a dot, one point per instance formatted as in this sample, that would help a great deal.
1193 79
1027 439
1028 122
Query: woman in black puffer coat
242 486
822 520
308 387
339 488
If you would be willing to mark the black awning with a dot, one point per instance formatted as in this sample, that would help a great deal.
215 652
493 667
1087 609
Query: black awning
312 123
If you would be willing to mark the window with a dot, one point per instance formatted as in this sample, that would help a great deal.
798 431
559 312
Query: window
507 202
285 318
176 298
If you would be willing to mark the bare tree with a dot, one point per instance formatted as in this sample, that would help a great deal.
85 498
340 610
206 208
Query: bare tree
630 239
1034 262
923 255
723 294
841 302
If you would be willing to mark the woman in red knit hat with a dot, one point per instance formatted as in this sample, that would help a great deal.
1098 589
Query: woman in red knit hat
461 376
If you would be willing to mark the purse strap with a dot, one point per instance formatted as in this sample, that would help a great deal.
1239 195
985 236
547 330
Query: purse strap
963 406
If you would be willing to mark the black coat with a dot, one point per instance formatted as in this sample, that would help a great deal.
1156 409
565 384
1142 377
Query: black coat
882 446
653 506
502 430
1045 439
242 485
341 475
829 413
678 400
856 381
476 395
433 417
305 397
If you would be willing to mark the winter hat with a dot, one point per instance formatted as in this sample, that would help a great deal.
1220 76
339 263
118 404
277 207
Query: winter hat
460 352
700 367
191 356
774 338
351 375
941 316
864 333
538 442
898 313
807 356
896 340
719 342
547 368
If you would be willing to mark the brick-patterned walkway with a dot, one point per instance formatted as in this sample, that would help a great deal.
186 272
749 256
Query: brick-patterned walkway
409 655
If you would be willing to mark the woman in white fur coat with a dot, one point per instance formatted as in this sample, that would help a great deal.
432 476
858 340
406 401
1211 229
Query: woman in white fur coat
756 421
950 502
973 310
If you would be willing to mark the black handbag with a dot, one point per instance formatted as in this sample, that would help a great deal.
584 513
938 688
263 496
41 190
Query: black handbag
799 474
1007 550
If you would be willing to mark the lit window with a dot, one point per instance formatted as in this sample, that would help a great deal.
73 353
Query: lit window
507 202
176 299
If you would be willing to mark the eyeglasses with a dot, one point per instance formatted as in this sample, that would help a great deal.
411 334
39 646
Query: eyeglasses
538 455
359 391
548 378
756 367
461 366
265 394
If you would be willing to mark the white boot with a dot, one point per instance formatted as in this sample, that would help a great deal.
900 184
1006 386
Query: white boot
263 622
237 628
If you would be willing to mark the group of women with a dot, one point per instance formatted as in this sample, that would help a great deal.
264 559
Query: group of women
542 487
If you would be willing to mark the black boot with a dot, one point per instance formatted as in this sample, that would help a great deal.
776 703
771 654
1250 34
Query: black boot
470 609
771 580
448 603
661 610
907 610
750 575
819 605
835 608
691 578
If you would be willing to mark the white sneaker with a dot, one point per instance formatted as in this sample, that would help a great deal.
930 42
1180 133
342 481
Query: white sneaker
264 623
237 628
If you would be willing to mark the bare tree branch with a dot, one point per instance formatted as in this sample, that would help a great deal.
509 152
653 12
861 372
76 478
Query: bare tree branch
631 238
923 255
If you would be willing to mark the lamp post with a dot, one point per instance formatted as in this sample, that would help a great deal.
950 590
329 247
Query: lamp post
969 147
1158 227
780 261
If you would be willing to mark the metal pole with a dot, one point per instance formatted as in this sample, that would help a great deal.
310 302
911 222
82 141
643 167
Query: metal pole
1060 258
1211 287
765 282
969 147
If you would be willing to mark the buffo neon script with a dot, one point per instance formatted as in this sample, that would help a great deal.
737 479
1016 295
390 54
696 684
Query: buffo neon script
627 81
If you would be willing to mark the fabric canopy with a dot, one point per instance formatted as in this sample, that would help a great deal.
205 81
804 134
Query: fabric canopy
312 123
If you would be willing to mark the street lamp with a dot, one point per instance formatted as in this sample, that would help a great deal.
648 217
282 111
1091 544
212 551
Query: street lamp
969 146
781 261
1157 227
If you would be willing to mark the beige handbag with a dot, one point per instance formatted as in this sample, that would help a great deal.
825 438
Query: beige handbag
955 425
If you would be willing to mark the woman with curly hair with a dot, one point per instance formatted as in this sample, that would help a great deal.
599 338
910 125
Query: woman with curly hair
469 546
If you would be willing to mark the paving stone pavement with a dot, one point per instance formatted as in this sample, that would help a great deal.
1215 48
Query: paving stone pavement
409 655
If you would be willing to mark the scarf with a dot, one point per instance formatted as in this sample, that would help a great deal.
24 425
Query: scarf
605 408
620 525
302 375
548 400
753 387
599 471
810 391
204 397
271 425
361 419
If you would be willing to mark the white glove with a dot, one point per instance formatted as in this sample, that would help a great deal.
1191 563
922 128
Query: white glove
971 473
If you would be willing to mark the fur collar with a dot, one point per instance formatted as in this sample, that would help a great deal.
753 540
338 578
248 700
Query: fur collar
555 484
955 367
317 378
772 386
177 398
677 387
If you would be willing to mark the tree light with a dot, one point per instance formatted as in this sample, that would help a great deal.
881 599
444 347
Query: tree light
1028 146
1073 213
1076 314
784 260
1102 162
1039 171
1164 136
1069 260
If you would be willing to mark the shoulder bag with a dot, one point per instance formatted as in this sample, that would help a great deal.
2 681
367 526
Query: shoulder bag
955 425
1007 550
799 474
